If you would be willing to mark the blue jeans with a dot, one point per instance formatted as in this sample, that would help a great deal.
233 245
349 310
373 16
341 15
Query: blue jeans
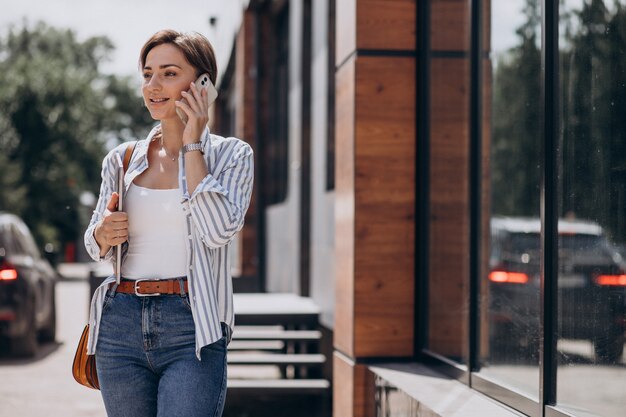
146 360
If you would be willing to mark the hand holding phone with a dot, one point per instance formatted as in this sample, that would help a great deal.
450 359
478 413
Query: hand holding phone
202 83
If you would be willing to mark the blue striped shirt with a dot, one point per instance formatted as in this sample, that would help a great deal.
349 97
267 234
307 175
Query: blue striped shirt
214 214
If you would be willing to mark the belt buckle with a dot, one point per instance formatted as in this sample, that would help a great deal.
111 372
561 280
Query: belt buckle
138 294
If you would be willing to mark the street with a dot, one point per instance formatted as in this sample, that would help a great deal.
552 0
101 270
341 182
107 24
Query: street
44 386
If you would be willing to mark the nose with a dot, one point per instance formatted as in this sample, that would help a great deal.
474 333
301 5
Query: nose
153 83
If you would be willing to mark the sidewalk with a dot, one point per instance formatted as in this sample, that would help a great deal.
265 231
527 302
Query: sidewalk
81 270
43 385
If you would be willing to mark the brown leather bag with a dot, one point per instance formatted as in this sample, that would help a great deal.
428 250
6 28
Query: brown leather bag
84 365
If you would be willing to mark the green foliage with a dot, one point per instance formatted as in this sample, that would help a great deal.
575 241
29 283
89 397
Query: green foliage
516 150
592 142
593 125
58 112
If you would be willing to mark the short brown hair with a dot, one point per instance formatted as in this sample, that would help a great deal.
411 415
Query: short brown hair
196 48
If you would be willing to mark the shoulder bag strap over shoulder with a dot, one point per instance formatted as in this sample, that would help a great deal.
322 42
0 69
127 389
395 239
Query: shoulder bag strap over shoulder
130 149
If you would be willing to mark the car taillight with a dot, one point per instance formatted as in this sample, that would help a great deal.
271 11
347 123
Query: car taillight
8 274
612 280
508 277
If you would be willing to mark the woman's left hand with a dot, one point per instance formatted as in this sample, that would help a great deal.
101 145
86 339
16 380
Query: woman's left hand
197 110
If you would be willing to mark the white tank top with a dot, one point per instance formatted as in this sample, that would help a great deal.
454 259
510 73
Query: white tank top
156 234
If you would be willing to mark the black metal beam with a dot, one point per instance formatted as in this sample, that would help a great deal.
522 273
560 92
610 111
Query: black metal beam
475 177
422 183
549 202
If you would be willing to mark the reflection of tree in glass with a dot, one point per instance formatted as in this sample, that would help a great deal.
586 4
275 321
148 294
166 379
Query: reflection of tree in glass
592 145
515 156
593 126
57 112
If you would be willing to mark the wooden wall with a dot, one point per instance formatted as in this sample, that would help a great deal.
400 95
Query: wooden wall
449 244
374 193
244 91
448 278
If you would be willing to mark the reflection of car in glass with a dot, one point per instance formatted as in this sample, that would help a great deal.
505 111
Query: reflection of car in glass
27 288
591 286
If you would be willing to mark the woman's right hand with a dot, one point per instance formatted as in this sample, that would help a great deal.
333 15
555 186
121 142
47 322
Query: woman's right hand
113 228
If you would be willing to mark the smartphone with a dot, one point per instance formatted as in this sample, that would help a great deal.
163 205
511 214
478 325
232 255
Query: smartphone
203 82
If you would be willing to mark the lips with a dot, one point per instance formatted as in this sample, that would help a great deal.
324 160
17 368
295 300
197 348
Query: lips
158 100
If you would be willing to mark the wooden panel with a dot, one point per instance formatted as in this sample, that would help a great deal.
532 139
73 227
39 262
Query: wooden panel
386 24
449 25
345 30
344 208
364 392
245 129
354 390
449 207
385 206
343 386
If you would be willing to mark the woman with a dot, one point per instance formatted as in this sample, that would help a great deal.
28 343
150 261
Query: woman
160 337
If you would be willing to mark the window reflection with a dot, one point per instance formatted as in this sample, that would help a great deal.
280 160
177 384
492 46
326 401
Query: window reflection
510 303
591 371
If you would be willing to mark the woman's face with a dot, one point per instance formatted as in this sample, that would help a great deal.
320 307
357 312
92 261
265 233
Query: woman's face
166 73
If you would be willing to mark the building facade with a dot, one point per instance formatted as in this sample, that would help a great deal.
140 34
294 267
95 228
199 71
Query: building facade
447 180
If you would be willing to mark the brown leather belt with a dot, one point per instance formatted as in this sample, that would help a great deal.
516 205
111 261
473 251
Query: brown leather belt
148 287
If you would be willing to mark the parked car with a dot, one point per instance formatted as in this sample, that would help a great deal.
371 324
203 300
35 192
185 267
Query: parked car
591 286
27 289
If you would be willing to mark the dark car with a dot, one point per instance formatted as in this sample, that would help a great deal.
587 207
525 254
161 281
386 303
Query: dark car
27 289
591 287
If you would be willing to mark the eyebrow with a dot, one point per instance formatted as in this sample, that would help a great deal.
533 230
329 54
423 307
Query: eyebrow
163 66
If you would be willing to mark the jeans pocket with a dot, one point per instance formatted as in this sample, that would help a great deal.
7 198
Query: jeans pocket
108 299
186 301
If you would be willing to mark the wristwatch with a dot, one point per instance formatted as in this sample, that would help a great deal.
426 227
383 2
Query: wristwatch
196 146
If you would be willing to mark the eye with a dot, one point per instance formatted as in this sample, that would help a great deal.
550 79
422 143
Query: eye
170 73
146 75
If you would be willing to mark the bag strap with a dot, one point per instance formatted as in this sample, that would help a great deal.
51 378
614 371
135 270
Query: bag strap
130 149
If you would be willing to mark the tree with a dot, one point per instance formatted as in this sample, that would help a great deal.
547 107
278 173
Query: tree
592 98
58 112
593 126
516 122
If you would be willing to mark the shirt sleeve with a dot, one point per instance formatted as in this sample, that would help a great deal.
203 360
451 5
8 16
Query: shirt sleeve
219 203
106 188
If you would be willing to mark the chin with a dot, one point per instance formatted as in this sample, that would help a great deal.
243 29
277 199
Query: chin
160 115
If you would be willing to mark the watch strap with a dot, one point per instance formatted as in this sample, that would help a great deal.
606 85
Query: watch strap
196 146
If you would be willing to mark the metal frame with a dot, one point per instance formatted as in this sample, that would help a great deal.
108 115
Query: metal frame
508 397
422 183
475 181
305 151
549 203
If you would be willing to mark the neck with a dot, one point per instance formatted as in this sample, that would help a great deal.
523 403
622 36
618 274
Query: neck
172 133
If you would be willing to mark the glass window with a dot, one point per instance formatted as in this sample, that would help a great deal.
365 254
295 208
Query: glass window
6 245
591 373
510 287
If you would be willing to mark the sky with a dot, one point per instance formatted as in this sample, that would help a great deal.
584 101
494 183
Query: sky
128 23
